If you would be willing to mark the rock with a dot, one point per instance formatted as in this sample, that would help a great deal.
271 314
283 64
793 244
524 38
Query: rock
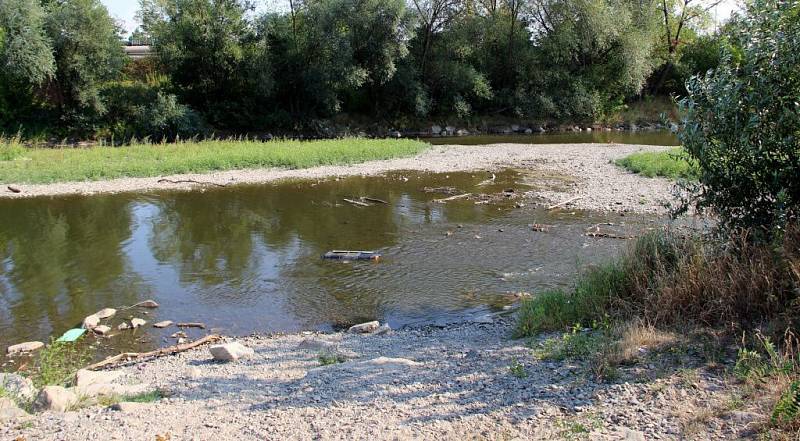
148 304
9 410
539 129
395 134
364 328
194 373
514 128
316 344
450 130
18 386
383 329
101 329
164 324
123 326
29 346
86 377
483 319
742 417
588 129
106 313
230 351
137 322
95 390
91 321
55 398
128 407
435 130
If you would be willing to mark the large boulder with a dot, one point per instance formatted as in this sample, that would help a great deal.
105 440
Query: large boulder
55 398
20 348
231 351
18 386
9 410
364 328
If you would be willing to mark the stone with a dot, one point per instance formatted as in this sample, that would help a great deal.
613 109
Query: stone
111 390
435 130
395 134
194 373
514 128
482 319
86 377
148 304
164 324
383 329
106 313
316 345
101 330
55 398
123 326
9 410
633 435
90 322
450 130
137 322
18 386
20 348
231 351
364 328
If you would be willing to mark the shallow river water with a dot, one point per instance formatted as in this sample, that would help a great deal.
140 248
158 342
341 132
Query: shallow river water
248 258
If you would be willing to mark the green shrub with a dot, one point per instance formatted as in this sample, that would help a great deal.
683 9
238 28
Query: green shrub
742 124
58 362
11 148
673 164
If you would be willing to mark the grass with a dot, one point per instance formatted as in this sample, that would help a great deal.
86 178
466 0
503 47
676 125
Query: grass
673 164
49 165
517 369
146 397
329 358
57 363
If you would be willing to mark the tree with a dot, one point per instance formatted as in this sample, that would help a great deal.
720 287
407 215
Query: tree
26 59
87 54
743 122
209 51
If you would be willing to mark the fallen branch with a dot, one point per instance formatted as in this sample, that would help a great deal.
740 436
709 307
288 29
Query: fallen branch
14 189
191 325
552 207
452 198
190 181
359 203
376 200
130 356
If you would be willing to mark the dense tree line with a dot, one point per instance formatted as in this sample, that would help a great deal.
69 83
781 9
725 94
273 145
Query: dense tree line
220 65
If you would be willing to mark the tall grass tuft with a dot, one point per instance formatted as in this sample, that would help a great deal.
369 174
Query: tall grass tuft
58 362
11 148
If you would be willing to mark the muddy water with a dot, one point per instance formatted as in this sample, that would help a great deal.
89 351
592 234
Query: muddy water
652 137
247 259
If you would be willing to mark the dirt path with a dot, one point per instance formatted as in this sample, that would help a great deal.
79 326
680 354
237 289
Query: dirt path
432 383
601 185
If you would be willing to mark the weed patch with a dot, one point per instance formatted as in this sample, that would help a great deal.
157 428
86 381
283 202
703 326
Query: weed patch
673 164
58 362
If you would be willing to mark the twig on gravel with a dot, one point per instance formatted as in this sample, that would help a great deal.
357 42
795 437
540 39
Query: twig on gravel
190 181
553 207
129 356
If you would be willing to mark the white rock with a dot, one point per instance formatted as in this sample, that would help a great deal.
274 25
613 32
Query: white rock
101 329
383 329
230 351
194 373
29 346
148 304
364 328
137 322
55 398
106 313
18 386
9 410
85 377
435 130
164 324
90 322
123 326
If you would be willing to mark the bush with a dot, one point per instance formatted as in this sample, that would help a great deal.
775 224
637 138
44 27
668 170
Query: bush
742 123
58 362
139 110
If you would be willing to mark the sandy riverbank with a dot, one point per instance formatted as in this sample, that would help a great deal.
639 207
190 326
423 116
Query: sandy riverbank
602 185
428 383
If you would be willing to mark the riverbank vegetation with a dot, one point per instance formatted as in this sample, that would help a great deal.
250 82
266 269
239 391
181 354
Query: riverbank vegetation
319 63
742 279
673 164
48 165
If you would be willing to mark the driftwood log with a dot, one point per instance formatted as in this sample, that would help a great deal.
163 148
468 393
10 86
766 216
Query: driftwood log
357 203
130 356
190 181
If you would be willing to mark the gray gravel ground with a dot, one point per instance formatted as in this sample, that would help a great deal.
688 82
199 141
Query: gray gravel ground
603 185
437 383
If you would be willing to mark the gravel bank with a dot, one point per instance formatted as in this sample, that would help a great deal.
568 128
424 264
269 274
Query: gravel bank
451 383
602 185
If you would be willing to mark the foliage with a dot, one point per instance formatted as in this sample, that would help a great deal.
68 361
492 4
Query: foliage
87 54
11 148
672 164
26 60
72 164
137 110
668 279
329 358
57 362
517 369
743 122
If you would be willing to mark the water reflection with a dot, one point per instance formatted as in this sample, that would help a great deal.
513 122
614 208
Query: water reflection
246 259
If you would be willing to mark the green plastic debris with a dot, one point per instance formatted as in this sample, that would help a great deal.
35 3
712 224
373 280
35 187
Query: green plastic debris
72 335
